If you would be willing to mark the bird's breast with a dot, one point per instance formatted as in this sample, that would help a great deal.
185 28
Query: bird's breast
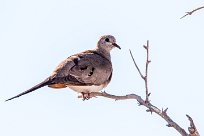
88 89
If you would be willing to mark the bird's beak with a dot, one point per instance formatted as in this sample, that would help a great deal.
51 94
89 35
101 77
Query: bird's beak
114 44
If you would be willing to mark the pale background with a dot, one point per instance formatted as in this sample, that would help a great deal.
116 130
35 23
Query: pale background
36 35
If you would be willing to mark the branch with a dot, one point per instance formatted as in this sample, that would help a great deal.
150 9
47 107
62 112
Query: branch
150 107
191 12
145 78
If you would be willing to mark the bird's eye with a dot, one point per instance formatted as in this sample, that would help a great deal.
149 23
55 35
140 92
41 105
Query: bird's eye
107 40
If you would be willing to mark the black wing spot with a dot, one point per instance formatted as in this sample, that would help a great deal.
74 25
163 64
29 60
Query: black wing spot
76 61
83 68
91 73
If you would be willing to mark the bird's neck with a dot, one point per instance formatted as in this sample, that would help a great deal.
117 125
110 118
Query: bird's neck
104 52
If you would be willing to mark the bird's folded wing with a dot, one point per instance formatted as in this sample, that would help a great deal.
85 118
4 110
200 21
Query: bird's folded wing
82 69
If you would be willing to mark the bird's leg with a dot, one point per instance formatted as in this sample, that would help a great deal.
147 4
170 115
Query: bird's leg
85 96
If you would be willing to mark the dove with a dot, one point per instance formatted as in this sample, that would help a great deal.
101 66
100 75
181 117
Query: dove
85 72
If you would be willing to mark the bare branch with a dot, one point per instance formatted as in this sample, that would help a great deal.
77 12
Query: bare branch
191 12
151 108
192 129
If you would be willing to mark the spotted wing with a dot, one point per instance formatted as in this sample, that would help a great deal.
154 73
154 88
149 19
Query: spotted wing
87 68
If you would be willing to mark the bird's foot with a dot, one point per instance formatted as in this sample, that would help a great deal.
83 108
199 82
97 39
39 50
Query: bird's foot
85 96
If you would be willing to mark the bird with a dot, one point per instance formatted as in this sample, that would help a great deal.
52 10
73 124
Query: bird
84 72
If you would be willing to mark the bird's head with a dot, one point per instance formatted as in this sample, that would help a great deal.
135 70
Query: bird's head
107 42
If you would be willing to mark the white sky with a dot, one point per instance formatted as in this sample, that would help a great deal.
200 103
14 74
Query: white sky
36 35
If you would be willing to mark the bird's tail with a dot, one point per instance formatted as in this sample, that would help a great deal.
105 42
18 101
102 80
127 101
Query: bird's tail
44 83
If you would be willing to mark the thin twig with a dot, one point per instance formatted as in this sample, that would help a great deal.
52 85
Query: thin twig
136 66
191 12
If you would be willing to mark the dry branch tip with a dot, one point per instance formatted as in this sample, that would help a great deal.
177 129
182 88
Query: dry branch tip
145 46
164 112
191 12
192 129
149 94
169 125
149 110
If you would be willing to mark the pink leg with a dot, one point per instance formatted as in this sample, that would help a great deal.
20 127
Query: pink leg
85 96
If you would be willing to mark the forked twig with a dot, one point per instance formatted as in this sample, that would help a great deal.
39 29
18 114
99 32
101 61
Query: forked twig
145 78
191 12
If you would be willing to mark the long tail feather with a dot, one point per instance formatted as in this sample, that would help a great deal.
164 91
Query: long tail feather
44 83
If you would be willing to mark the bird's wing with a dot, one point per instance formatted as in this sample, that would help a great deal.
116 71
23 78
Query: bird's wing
86 68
